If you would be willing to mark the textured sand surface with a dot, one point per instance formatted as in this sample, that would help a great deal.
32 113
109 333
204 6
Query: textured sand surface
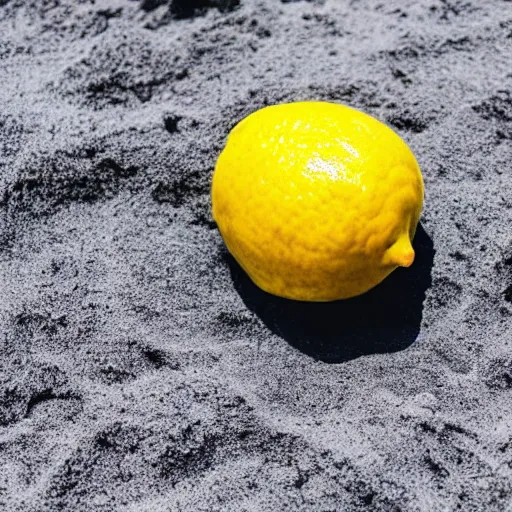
140 370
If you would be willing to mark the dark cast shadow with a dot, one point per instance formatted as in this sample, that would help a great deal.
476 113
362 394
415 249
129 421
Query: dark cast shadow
385 319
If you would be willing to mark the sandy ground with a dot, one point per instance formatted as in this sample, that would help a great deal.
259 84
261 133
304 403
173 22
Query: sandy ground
139 368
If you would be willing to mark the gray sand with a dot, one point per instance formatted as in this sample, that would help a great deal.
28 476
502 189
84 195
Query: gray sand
140 370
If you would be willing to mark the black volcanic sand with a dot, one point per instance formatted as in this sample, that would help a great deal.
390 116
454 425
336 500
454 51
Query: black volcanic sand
140 369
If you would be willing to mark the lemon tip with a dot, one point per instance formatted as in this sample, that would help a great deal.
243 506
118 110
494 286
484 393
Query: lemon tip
406 258
400 253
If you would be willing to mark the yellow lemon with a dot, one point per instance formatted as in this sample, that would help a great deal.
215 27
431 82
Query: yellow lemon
317 201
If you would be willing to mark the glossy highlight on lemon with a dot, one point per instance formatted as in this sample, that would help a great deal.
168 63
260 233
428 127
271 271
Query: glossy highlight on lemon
317 201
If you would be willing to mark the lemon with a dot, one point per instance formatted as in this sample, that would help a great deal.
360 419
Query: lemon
317 201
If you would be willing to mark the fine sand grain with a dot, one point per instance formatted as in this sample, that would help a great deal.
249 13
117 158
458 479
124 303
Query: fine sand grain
140 370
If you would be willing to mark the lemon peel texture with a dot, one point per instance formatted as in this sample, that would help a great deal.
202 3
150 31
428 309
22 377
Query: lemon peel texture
317 201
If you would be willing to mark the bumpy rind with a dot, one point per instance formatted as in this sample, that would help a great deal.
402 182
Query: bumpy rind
317 201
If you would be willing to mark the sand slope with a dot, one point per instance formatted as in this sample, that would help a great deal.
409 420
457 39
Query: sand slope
140 370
